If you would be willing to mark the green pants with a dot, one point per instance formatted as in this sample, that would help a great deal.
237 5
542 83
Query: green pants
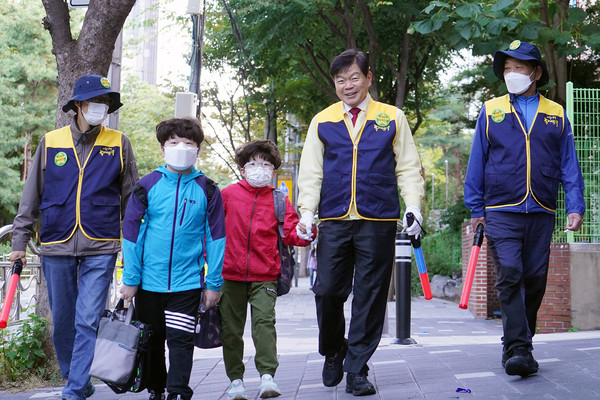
233 306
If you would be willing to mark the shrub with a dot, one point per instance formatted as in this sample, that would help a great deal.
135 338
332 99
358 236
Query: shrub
442 252
21 353
442 249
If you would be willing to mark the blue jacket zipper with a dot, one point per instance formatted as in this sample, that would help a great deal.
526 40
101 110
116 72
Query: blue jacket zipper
183 212
173 233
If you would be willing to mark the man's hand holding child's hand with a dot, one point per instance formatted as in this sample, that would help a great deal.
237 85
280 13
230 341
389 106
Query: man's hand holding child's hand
305 226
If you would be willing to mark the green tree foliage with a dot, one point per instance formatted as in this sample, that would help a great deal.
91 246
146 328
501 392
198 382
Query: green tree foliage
144 107
27 95
230 118
445 137
283 50
569 36
442 249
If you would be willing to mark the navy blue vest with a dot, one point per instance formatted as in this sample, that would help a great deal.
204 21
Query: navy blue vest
522 163
85 195
359 173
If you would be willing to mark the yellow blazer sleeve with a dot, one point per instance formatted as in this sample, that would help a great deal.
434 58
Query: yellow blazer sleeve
408 164
310 174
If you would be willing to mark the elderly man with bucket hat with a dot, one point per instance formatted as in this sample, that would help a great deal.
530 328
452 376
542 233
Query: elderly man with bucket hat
522 149
78 185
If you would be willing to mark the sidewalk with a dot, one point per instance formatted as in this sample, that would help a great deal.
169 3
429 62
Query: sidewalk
453 351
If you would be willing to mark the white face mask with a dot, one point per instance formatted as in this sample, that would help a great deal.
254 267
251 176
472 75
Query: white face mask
259 176
181 156
96 113
517 83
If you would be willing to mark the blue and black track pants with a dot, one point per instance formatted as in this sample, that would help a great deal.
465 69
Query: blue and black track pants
173 317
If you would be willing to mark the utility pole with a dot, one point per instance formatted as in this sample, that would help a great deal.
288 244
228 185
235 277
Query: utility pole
447 178
197 10
432 190
114 73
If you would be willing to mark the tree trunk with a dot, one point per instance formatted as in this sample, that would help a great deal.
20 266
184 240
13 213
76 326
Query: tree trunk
91 52
458 181
270 121
27 157
557 67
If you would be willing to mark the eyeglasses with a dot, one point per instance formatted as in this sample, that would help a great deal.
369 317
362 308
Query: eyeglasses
256 164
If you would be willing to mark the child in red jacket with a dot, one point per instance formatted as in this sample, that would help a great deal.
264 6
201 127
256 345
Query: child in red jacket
252 265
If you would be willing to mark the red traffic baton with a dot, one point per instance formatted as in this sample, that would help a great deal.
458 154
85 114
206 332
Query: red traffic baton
477 241
10 294
421 266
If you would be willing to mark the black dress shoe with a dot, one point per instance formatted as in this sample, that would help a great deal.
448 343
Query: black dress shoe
333 369
506 355
359 385
521 363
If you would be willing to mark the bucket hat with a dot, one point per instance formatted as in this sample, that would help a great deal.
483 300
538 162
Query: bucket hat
522 51
89 86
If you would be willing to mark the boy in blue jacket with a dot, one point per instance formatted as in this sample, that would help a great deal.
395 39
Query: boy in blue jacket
173 220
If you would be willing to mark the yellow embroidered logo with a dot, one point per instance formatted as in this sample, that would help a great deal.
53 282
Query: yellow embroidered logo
60 159
107 151
382 128
497 115
551 119
515 45
382 120
104 82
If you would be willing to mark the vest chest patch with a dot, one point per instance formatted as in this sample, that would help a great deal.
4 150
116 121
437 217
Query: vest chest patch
497 115
60 159
107 151
382 128
382 120
551 119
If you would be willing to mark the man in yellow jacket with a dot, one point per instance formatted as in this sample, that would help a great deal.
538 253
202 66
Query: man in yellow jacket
357 154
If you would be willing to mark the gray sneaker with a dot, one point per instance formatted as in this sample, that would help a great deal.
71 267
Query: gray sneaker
237 390
268 388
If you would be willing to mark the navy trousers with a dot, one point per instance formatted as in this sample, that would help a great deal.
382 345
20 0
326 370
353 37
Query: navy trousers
359 252
520 248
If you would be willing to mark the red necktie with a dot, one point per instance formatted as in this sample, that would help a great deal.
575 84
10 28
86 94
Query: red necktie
354 111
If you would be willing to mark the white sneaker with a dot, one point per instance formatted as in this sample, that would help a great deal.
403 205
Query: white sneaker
268 388
237 390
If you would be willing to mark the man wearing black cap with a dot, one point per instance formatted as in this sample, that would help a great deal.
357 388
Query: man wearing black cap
80 180
522 149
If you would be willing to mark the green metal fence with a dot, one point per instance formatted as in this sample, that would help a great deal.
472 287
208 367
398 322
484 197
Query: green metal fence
583 110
